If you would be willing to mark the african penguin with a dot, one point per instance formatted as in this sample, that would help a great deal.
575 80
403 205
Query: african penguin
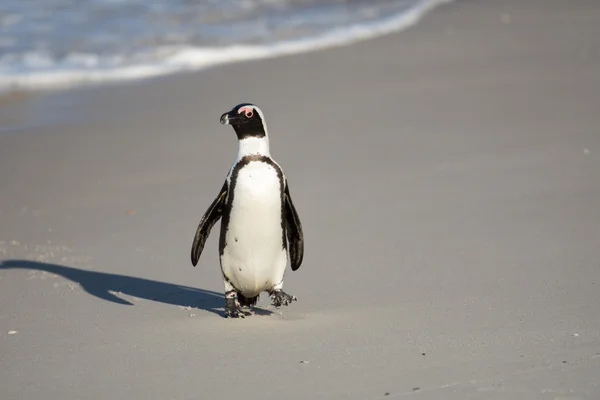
260 225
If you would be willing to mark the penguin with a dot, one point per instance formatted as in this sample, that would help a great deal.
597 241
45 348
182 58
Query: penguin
260 227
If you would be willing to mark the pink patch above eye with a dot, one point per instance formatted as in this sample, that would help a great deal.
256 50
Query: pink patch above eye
247 111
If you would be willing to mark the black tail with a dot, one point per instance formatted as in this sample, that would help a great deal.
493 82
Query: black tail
247 302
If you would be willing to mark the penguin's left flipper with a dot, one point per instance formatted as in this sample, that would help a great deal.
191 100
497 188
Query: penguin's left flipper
209 219
294 232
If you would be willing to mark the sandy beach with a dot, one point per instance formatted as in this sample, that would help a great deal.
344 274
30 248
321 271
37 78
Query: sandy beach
448 182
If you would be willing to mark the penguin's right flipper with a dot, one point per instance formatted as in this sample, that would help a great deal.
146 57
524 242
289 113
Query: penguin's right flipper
209 219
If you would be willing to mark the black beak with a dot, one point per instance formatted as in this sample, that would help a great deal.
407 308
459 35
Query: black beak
229 118
225 118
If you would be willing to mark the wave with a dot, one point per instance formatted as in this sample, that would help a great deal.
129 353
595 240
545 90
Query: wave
42 72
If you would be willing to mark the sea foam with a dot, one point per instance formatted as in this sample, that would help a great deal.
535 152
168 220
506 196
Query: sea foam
37 70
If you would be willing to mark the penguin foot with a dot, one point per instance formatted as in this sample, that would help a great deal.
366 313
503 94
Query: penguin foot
233 309
280 298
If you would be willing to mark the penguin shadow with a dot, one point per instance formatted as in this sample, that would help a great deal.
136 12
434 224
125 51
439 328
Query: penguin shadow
102 285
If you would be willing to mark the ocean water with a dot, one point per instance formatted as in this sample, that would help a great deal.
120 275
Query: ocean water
52 43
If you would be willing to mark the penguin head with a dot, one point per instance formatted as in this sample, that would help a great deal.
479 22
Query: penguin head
247 121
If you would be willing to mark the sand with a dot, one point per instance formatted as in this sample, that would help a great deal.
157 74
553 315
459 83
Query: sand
448 181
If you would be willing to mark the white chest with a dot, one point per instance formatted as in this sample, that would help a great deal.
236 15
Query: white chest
257 189
254 257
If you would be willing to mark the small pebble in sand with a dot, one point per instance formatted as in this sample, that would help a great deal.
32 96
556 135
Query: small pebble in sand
303 362
12 332
576 334
387 394
192 315
416 388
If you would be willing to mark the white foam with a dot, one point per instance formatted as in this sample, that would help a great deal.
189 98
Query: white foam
88 68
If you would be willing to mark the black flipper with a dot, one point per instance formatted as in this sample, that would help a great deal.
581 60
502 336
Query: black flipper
294 231
209 219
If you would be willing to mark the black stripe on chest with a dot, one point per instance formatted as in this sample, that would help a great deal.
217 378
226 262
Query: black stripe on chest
231 195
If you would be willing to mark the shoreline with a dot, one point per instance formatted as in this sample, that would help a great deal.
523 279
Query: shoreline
194 59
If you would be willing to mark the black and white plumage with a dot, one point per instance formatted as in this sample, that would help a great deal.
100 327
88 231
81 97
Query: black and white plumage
260 226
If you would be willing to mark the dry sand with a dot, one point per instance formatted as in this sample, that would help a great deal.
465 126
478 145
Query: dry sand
448 180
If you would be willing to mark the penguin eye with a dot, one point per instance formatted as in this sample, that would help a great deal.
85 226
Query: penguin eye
248 113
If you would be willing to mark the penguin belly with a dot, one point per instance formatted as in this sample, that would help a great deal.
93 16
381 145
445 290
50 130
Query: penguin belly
254 256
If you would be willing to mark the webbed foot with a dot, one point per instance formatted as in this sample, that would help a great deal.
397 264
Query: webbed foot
280 298
233 309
